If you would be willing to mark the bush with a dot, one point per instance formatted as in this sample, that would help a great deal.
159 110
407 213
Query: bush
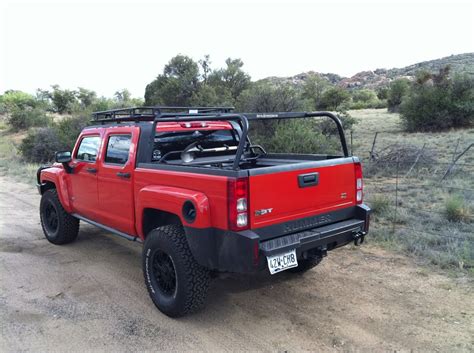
329 128
293 136
334 97
380 204
13 100
68 129
397 90
438 102
267 97
21 119
456 210
40 144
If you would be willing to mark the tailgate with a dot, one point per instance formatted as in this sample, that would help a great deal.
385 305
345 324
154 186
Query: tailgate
279 196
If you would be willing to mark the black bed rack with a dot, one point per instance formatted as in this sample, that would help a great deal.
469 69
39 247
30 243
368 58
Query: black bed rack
189 114
149 113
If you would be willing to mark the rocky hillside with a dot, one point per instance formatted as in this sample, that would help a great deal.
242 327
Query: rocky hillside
381 77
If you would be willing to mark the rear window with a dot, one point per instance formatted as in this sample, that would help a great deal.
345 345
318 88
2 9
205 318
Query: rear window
88 149
166 142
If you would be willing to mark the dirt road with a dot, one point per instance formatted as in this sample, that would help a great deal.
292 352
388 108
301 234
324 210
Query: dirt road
90 295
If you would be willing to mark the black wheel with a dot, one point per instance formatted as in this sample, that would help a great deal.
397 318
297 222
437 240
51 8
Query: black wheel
305 265
177 284
59 227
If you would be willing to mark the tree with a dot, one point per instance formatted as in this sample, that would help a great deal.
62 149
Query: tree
205 64
313 90
334 97
123 96
231 78
12 100
86 97
177 84
63 99
438 102
265 97
382 93
364 95
397 90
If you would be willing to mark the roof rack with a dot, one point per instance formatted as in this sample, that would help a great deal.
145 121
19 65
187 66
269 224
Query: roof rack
149 113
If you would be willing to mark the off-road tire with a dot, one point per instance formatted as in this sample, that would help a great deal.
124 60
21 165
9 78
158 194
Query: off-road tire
305 265
67 226
191 279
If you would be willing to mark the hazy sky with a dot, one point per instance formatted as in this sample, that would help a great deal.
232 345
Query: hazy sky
106 45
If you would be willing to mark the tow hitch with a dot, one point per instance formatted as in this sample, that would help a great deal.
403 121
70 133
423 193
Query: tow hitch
358 238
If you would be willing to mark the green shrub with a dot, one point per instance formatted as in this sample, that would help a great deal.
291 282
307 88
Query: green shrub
398 89
380 204
293 136
329 127
21 119
12 100
334 98
40 144
456 210
438 102
266 97
68 129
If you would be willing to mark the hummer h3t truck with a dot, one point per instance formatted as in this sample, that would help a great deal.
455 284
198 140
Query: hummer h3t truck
189 184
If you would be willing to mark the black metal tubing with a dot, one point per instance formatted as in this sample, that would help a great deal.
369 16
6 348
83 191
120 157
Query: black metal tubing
168 117
276 116
158 113
148 113
244 120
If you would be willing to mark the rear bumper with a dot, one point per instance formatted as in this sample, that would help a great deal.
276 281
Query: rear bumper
246 251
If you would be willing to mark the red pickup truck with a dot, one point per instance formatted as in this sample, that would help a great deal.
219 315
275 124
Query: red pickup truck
190 185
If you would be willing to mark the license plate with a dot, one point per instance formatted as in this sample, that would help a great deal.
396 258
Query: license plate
281 262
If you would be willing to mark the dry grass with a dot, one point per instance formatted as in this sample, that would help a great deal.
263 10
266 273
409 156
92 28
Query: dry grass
417 217
11 162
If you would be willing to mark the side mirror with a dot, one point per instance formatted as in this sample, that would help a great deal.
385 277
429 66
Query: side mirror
62 157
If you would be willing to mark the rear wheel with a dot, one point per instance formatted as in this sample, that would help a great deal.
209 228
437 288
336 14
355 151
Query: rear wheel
305 265
177 284
59 227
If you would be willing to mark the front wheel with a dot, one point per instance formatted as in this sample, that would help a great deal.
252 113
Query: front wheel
177 284
59 227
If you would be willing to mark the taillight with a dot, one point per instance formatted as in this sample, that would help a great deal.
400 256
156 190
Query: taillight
359 183
238 203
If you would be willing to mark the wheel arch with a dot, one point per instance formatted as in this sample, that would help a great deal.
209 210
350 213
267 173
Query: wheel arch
153 218
53 177
162 205
45 186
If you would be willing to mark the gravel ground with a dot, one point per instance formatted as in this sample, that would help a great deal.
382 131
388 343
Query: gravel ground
90 296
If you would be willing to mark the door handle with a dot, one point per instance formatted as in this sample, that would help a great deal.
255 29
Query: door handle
309 179
123 175
91 170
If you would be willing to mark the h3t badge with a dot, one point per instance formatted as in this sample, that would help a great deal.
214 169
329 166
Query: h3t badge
263 211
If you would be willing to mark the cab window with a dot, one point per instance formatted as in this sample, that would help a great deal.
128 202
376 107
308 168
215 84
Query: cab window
118 148
88 149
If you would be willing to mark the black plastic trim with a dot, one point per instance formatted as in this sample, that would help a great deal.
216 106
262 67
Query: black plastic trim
302 224
224 250
313 238
107 228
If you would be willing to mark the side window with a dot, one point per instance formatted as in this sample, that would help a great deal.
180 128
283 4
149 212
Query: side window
117 149
88 149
